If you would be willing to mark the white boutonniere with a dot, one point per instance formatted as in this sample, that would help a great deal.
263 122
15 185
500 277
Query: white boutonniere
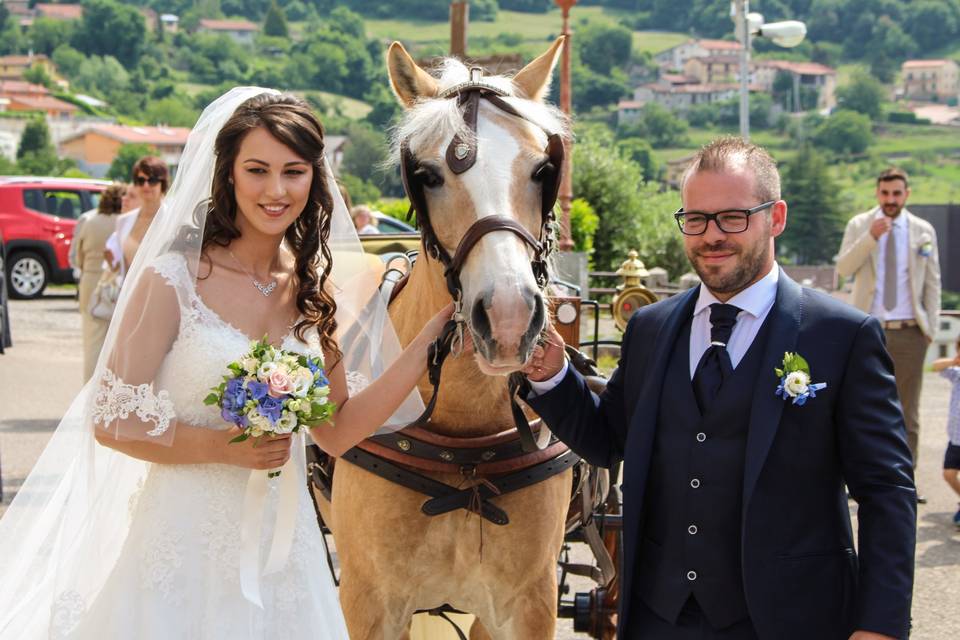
925 248
795 380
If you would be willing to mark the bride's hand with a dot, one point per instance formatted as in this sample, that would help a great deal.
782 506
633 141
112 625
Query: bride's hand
435 325
265 452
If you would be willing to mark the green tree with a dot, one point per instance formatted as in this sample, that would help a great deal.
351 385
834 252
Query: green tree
361 191
603 46
640 151
109 28
633 214
46 34
122 166
275 23
37 74
35 138
172 110
68 60
596 90
815 224
583 225
658 125
863 94
844 132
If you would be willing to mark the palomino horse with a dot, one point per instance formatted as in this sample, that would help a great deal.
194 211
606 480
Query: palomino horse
394 559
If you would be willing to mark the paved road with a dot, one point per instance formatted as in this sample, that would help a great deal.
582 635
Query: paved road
41 374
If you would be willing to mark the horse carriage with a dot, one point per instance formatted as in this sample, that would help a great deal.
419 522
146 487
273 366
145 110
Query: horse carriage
475 506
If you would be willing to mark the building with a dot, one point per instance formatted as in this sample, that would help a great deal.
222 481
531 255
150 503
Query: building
95 147
814 75
58 11
333 148
931 80
676 57
677 98
13 67
50 106
170 22
713 69
22 88
242 31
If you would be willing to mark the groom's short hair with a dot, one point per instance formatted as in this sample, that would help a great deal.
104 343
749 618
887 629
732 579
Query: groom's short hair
732 153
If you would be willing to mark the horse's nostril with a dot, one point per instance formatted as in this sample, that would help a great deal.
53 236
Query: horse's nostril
479 320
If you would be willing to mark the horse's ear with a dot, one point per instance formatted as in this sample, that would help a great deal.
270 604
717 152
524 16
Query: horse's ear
408 80
533 81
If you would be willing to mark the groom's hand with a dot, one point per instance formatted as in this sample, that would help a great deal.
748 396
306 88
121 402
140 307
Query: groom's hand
870 635
547 359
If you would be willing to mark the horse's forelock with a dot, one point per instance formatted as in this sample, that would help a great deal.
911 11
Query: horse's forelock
432 120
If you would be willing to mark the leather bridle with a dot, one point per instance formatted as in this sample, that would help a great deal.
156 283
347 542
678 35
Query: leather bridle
461 155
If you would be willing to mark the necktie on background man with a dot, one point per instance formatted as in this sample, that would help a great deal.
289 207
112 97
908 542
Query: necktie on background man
890 272
715 365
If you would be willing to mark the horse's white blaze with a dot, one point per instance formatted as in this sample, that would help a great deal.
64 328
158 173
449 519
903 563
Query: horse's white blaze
500 258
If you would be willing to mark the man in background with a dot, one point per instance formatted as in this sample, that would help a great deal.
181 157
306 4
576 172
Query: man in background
891 255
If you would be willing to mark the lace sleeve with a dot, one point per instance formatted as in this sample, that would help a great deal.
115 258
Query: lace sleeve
128 401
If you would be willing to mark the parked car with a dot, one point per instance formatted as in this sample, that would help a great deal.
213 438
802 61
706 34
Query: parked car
4 314
37 218
388 224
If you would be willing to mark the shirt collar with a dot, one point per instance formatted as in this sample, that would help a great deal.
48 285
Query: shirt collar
898 222
755 299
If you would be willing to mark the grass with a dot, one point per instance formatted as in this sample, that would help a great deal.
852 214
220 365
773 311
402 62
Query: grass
535 30
349 107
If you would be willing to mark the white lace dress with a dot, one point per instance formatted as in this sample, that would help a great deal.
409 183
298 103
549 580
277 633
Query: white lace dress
178 573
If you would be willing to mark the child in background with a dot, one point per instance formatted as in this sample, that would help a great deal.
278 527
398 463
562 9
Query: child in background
949 368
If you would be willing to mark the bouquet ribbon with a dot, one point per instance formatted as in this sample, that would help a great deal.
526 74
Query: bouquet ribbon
251 523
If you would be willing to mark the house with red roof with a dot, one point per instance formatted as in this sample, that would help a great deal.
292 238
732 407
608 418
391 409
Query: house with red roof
95 147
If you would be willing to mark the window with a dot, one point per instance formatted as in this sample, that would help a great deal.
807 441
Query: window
54 202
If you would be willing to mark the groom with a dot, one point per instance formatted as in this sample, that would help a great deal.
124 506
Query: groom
736 523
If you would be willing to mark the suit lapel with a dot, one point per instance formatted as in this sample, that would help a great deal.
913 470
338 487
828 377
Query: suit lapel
911 254
766 409
644 424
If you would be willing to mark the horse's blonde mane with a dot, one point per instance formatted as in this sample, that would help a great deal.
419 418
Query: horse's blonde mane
432 119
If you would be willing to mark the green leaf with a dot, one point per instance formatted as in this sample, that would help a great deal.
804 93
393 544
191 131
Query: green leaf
779 372
211 399
240 438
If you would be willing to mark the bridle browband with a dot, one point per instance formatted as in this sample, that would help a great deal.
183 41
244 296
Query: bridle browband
461 155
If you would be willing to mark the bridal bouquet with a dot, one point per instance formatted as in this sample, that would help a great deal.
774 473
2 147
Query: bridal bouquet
271 391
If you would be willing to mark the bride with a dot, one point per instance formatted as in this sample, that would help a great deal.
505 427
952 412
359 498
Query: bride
141 520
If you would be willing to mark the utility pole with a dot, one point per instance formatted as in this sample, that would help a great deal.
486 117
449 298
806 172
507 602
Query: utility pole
459 20
566 105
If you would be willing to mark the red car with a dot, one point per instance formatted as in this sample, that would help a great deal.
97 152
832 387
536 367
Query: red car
37 217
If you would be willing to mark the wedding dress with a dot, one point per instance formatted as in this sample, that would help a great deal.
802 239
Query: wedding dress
177 575
100 545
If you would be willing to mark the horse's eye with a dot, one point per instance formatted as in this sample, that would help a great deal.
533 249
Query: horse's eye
429 177
543 171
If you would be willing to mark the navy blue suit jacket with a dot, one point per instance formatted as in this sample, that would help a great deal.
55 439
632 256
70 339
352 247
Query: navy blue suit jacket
801 575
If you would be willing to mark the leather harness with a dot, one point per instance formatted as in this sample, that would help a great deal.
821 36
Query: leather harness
492 465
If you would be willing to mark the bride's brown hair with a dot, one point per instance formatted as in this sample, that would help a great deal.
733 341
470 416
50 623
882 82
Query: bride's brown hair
290 121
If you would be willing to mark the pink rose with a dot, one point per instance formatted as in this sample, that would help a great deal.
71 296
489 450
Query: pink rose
280 383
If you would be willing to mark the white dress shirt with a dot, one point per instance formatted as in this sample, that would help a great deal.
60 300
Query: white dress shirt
755 302
904 308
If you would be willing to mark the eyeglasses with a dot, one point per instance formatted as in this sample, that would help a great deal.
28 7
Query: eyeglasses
694 223
140 181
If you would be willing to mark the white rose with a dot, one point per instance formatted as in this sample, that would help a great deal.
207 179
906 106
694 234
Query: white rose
250 364
265 370
796 383
293 405
302 382
287 423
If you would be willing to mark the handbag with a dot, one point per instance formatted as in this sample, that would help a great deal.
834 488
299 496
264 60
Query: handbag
103 300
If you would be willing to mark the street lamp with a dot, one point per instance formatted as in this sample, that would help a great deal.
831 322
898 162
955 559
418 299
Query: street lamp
566 181
786 34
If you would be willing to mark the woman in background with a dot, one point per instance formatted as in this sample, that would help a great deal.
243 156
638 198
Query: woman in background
89 243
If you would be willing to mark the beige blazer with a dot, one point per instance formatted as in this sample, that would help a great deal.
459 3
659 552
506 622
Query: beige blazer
858 260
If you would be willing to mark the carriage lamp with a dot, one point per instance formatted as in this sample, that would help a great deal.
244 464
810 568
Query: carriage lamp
631 294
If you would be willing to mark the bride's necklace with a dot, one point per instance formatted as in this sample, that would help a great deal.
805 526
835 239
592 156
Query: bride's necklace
265 289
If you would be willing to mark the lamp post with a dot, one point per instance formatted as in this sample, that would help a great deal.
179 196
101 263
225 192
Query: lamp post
788 33
566 182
